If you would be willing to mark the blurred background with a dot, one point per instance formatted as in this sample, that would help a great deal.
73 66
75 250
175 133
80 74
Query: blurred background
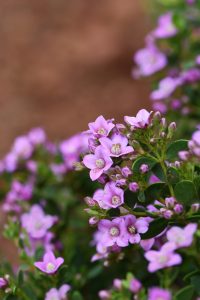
64 62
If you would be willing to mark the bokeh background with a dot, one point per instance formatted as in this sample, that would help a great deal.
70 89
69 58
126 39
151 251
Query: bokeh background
64 62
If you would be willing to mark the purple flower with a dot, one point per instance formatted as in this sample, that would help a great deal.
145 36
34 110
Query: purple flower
135 285
116 145
98 197
156 293
100 127
22 147
36 222
134 227
58 294
141 120
112 232
37 136
166 87
147 244
98 162
133 186
165 28
191 75
149 60
113 195
104 295
144 168
3 283
50 263
72 148
182 237
163 258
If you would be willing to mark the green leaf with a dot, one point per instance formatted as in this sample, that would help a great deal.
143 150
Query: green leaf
173 175
195 280
76 296
130 198
143 160
185 192
185 294
174 148
158 171
156 191
155 228
20 278
114 212
189 275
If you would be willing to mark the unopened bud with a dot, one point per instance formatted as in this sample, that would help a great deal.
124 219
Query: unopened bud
90 201
93 220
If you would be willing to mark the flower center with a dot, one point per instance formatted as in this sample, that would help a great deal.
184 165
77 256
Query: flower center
114 231
131 229
38 225
115 200
116 149
163 259
50 267
100 163
101 131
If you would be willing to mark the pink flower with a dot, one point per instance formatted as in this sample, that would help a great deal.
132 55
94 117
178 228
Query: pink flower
58 294
113 195
133 186
182 237
112 232
156 293
3 283
97 162
37 136
72 148
147 244
100 127
166 87
149 60
50 263
141 120
165 28
135 285
22 147
36 222
134 227
116 145
163 258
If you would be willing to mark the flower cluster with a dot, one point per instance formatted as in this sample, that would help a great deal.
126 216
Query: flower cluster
148 198
171 52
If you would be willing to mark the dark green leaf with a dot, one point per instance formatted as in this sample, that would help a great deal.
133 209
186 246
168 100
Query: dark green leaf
185 192
76 296
130 198
158 171
155 228
185 294
174 148
143 160
156 191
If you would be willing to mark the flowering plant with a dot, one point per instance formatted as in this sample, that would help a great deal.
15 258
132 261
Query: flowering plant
171 57
147 210
40 190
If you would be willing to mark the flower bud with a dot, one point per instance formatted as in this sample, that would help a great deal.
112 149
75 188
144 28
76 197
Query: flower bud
170 202
178 208
135 285
133 186
144 168
195 207
117 283
89 201
93 220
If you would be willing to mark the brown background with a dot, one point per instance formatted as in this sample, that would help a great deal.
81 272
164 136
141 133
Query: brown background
64 62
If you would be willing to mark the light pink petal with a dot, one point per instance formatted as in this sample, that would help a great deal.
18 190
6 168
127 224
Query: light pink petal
95 174
90 161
